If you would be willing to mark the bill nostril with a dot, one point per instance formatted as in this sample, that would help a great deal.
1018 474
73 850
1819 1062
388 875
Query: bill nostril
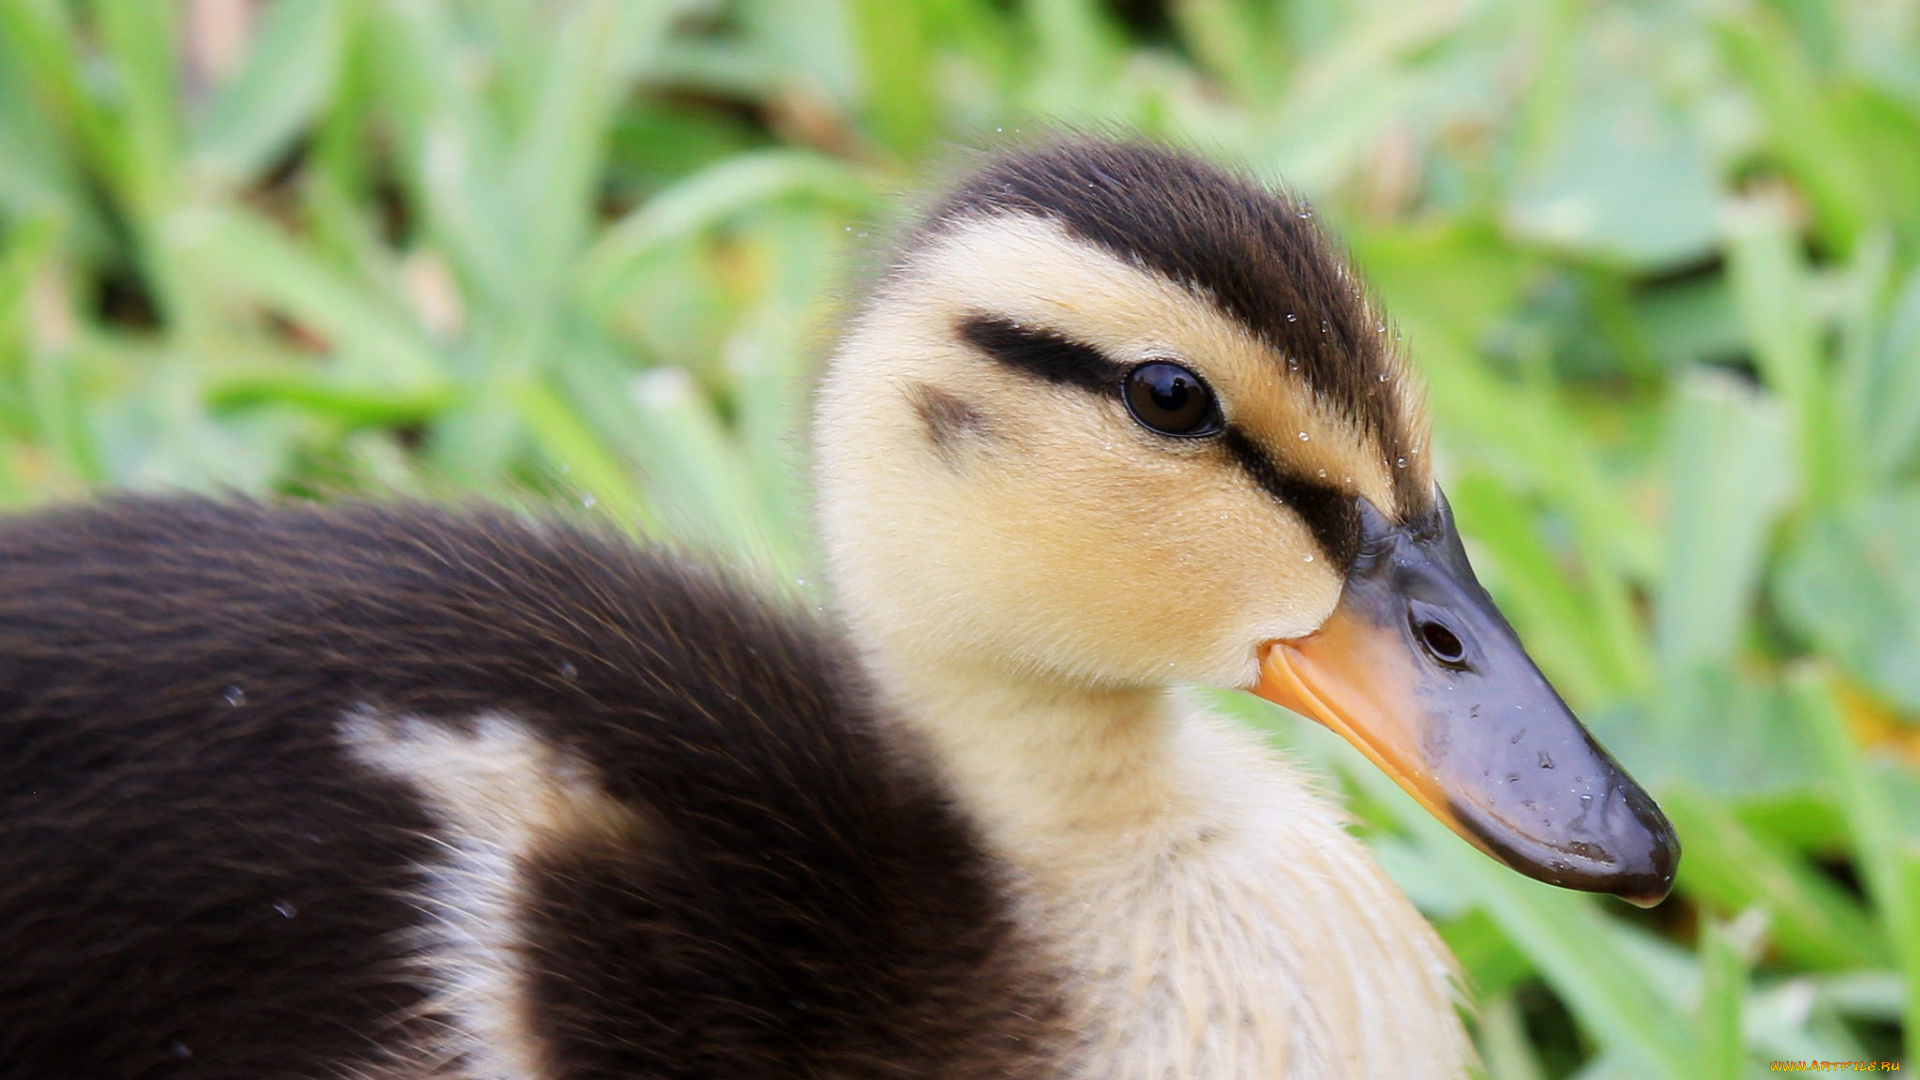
1441 643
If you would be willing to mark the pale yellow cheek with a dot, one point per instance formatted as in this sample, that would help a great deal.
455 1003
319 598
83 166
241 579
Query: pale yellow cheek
1086 554
1171 580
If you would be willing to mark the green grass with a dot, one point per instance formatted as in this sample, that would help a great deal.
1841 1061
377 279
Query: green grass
1660 262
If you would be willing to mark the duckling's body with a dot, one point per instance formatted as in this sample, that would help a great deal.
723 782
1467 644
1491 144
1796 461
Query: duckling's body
405 793
409 793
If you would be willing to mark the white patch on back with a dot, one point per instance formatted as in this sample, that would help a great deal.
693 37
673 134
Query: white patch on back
499 794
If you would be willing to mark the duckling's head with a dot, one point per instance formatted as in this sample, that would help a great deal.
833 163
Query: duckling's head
1116 418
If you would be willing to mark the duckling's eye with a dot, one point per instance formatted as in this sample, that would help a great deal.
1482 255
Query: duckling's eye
1171 400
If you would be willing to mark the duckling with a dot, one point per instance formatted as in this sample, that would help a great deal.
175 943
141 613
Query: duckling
390 791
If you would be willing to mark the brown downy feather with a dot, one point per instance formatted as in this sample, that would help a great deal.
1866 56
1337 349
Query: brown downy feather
204 876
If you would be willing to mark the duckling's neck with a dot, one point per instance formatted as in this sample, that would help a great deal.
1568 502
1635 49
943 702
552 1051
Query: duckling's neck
1047 767
1211 915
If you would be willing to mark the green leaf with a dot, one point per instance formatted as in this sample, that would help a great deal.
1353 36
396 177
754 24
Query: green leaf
1887 395
291 65
1800 125
1491 963
374 344
1888 862
1850 582
558 164
896 52
1622 175
704 200
1504 1048
695 477
1772 287
1904 919
1813 921
569 443
140 37
1722 1003
1728 481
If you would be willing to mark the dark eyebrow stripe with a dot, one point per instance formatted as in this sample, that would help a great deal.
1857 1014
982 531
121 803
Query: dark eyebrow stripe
1052 356
1330 514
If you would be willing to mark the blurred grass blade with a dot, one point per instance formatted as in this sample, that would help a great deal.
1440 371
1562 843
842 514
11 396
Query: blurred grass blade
316 393
41 38
291 64
1800 124
558 163
1906 930
1729 478
1575 949
38 174
373 342
1850 583
141 38
1880 852
1504 1049
454 152
571 445
696 474
705 200
1722 1003
1773 291
1236 42
1618 174
896 55
1889 395
1076 49
1813 921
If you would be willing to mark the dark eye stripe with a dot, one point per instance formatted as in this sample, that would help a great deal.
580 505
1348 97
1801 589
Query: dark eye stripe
1051 356
1330 514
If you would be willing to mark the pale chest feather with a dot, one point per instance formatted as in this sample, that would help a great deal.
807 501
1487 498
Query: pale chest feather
1247 936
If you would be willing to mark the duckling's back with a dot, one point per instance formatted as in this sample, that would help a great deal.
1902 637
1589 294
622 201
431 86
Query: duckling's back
396 792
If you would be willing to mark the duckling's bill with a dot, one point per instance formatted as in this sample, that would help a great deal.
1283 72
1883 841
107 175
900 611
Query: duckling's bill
1417 668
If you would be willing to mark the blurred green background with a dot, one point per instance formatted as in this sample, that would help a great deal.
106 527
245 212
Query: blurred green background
1660 262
